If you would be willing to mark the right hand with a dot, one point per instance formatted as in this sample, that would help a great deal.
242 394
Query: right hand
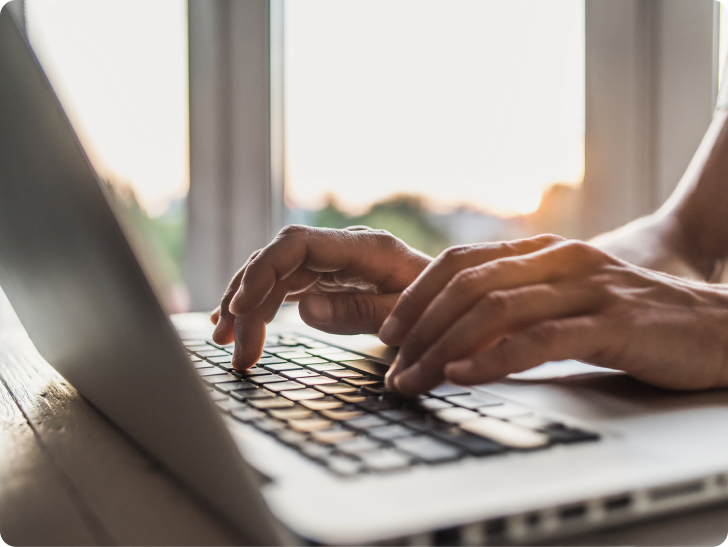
346 282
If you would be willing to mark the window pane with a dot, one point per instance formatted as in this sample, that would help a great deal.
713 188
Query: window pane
120 70
443 121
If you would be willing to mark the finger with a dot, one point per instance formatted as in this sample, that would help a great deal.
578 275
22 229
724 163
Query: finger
347 312
250 327
572 338
223 333
439 273
215 315
495 316
469 285
368 255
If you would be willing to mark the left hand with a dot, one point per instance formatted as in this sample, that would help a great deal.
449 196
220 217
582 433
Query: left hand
480 312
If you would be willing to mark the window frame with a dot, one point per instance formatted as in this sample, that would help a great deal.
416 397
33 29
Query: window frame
651 86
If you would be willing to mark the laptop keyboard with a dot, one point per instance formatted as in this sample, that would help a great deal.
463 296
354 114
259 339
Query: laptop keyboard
331 405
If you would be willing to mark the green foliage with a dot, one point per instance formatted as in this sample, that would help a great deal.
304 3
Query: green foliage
404 216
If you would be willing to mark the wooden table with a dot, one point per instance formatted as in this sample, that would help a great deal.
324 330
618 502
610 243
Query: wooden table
68 476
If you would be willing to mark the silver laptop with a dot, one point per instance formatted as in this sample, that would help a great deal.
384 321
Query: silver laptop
308 446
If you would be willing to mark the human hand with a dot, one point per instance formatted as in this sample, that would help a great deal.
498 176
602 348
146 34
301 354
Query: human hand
346 282
481 312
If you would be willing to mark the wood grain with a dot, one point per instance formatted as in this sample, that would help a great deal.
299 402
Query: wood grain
114 492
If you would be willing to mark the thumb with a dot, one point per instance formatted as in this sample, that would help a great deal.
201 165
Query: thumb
346 312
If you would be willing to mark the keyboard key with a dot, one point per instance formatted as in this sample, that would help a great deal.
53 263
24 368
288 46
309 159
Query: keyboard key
376 405
325 350
296 412
230 404
252 394
253 371
277 349
506 433
270 402
212 352
505 411
343 413
292 354
533 422
388 459
309 360
195 359
317 380
220 378
343 373
361 381
432 404
427 449
331 389
456 415
306 425
315 451
325 403
400 414
325 366
343 356
233 386
266 379
473 444
279 367
208 370
376 389
389 432
367 366
218 360
343 466
560 434
358 445
247 414
332 436
269 360
293 438
474 400
269 425
198 347
301 373
366 422
302 394
448 390
218 396
351 397
284 386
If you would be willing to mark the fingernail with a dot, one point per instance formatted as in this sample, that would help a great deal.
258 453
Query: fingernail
389 377
388 329
320 308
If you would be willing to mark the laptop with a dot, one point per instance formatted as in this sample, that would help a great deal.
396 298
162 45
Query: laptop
308 446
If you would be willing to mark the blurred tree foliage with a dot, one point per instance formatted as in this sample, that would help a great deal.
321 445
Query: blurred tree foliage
158 242
405 216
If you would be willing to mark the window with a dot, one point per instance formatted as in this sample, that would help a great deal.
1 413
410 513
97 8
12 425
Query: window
444 122
120 70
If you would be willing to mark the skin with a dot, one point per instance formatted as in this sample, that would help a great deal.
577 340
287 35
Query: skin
477 313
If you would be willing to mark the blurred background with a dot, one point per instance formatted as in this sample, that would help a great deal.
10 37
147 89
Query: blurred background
444 122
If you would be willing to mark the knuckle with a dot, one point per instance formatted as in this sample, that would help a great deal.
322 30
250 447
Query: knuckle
496 303
545 336
548 239
293 230
453 254
465 280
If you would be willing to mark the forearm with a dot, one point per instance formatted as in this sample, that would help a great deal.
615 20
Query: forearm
699 206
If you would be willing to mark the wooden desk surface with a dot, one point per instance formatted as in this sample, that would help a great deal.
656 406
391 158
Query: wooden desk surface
68 476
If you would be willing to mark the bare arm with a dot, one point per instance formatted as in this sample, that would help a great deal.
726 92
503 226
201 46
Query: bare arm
688 236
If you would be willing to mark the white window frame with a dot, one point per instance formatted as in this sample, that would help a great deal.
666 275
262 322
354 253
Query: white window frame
650 91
